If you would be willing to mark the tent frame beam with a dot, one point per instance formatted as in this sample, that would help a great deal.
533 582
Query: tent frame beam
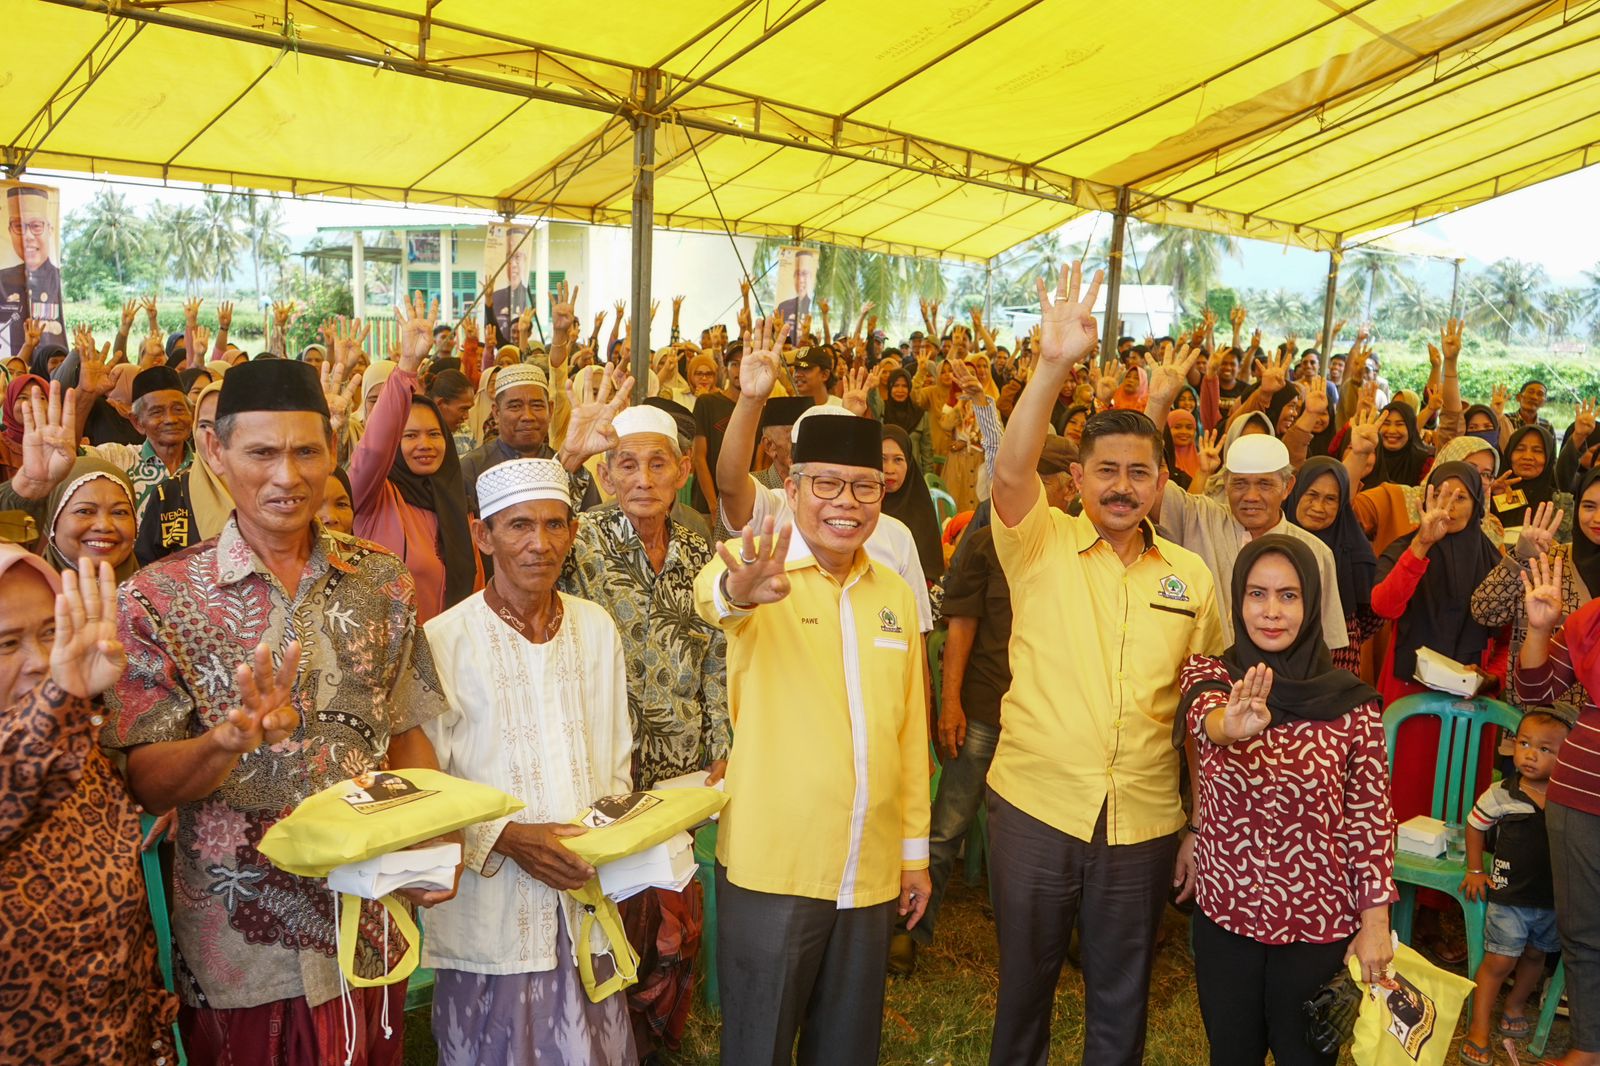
1329 297
48 117
1119 235
644 211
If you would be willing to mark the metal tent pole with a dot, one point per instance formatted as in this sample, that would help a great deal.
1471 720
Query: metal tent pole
1119 233
1330 296
644 205
1455 290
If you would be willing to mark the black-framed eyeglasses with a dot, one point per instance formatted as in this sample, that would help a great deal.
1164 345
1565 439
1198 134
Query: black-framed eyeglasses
831 488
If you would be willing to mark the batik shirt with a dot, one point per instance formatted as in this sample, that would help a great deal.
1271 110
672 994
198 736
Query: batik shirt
144 467
247 933
677 673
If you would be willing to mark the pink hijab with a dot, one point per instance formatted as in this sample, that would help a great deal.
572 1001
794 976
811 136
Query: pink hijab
1186 458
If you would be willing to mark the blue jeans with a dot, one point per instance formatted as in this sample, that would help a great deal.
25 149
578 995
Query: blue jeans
960 795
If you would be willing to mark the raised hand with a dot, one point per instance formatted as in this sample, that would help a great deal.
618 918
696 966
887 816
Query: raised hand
32 331
1275 373
858 383
563 313
49 441
655 305
1498 398
130 308
416 330
149 305
1539 527
1435 359
202 344
225 315
1541 593
758 370
347 341
191 311
1583 426
1316 399
1291 345
341 394
94 379
590 430
1435 521
1171 374
1237 316
266 713
1210 449
1246 713
758 575
87 658
964 379
1067 325
1450 338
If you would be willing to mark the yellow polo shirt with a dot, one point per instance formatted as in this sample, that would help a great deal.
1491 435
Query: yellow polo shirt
1095 651
828 774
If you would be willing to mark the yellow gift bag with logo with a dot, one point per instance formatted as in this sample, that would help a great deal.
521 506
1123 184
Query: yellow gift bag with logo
375 814
1408 1018
619 826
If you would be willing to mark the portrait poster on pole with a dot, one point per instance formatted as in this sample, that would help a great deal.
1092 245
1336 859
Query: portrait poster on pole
30 275
797 285
505 271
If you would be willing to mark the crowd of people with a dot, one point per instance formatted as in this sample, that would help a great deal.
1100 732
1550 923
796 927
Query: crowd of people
1181 583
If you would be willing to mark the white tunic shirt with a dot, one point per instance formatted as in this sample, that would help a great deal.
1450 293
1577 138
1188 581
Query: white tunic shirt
546 723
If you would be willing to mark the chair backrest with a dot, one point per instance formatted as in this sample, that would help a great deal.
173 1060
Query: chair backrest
686 494
1462 726
935 643
944 505
936 483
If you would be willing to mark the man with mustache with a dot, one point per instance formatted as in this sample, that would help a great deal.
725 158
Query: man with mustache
1084 813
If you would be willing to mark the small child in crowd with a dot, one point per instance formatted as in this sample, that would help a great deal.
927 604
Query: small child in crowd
1521 925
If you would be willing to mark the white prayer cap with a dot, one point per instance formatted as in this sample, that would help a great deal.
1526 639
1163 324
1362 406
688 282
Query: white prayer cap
520 481
522 374
644 418
1257 453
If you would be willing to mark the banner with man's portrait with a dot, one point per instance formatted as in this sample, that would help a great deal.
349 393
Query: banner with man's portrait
30 277
797 285
505 271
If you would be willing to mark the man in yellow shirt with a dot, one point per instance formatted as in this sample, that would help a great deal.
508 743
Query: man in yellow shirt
1084 813
825 835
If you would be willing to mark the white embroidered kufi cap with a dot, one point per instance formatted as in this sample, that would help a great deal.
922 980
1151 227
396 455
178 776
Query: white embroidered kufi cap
520 481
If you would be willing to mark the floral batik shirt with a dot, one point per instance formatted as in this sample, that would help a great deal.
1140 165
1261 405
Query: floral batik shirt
677 663
246 932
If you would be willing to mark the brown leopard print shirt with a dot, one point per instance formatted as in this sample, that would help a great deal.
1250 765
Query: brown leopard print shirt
78 976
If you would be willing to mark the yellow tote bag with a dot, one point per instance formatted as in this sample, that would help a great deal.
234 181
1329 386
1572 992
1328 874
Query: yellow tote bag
620 826
1409 1018
371 815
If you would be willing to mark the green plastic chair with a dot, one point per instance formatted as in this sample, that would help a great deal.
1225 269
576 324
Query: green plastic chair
686 494
705 857
155 890
944 505
936 483
1547 1010
935 647
977 847
1462 726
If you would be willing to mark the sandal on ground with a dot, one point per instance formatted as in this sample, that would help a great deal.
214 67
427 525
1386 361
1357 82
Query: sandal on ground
1516 1026
1475 1054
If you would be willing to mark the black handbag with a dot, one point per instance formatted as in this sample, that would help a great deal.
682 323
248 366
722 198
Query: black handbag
1331 1013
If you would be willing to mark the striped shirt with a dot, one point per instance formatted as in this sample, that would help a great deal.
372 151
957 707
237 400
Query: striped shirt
1576 782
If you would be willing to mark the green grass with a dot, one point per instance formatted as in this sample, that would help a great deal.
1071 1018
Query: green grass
942 1016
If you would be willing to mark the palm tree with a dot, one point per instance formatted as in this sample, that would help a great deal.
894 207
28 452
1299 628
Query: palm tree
219 234
1413 306
177 230
1510 294
1189 260
1284 309
1564 309
1378 271
263 228
114 225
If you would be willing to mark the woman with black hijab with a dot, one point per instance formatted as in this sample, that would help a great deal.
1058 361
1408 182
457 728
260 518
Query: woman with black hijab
1402 458
1530 457
1293 793
1320 504
900 407
906 497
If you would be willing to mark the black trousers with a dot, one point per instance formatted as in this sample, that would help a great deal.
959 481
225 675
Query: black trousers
791 964
1251 995
1042 880
1575 866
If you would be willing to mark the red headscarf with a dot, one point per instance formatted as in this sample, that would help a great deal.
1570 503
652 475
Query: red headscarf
1123 400
13 420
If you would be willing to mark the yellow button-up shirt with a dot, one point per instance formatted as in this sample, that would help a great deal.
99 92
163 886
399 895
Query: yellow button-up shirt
1095 650
828 774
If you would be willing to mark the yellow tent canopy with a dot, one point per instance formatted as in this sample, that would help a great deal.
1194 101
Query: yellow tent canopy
952 128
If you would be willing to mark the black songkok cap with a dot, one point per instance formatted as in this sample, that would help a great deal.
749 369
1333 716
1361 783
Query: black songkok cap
844 440
785 410
156 379
271 385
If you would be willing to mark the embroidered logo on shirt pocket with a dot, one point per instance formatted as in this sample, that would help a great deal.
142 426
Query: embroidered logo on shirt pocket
891 644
